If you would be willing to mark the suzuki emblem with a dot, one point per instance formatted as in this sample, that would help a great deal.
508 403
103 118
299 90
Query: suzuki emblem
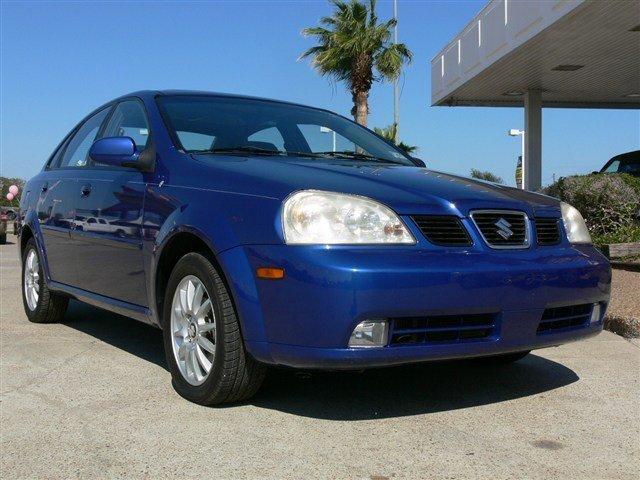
503 228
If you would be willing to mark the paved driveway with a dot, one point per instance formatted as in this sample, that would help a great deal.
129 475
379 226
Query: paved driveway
91 398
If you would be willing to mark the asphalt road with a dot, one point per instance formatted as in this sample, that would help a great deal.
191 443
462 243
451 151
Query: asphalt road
92 398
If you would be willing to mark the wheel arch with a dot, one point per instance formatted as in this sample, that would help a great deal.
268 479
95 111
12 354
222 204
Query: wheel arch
177 244
25 234
28 230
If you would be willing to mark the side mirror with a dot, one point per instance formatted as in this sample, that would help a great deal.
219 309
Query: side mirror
115 151
419 162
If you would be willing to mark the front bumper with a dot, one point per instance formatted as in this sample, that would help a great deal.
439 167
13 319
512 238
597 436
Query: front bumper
305 319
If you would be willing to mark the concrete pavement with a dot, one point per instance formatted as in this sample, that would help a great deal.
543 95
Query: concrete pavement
91 398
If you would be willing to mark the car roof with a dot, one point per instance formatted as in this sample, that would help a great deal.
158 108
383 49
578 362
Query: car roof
150 94
623 157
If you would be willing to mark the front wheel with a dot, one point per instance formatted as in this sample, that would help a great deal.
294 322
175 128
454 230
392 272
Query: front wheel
40 304
202 339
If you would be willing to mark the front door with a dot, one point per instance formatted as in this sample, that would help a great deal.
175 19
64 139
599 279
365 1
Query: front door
108 231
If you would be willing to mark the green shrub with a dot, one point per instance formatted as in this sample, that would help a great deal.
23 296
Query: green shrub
609 204
629 233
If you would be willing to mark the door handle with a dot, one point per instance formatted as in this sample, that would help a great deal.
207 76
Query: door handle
85 190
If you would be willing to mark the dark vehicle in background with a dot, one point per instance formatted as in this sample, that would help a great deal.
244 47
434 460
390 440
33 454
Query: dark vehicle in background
624 163
3 227
8 217
12 216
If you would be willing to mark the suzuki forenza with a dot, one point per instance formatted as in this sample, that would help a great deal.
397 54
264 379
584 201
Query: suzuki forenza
257 232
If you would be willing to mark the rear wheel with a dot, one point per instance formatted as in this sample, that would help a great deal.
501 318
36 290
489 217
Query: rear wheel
40 304
202 339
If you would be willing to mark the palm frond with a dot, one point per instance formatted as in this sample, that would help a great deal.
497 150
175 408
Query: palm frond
373 18
389 60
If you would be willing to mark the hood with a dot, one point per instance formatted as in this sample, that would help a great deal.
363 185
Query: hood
406 189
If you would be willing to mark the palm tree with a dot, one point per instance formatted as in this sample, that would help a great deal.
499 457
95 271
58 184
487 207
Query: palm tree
390 134
351 44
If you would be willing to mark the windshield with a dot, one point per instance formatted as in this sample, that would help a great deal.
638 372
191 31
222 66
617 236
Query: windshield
224 125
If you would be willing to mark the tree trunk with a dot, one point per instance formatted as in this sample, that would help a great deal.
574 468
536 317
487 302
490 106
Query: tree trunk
360 108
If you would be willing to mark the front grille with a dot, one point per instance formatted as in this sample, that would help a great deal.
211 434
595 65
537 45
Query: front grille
565 318
547 231
445 230
502 228
443 329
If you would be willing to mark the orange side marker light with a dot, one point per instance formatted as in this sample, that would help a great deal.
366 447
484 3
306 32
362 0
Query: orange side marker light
270 273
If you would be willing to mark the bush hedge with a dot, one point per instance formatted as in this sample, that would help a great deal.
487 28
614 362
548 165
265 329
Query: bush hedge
610 204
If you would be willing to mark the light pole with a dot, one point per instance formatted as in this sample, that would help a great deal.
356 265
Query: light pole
396 98
327 130
514 132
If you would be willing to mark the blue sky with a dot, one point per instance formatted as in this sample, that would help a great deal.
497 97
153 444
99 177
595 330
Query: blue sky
62 59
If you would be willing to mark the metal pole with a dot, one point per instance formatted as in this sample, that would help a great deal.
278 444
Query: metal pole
396 98
334 140
523 160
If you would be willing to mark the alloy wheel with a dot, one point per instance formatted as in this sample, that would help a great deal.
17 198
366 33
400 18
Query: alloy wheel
32 280
193 330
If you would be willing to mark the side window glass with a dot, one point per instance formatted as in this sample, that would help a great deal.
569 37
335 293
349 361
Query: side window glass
269 138
55 160
77 150
129 120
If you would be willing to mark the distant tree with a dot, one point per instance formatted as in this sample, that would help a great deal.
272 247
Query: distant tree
390 133
354 48
484 175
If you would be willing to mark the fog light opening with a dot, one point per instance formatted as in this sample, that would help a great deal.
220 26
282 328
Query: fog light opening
596 313
370 333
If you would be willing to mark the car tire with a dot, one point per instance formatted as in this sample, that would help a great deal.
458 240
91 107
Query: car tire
45 306
3 239
505 359
233 374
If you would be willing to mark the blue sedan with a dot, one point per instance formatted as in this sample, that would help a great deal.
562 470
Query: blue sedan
256 232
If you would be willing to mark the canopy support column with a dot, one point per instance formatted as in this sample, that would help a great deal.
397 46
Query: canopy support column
532 167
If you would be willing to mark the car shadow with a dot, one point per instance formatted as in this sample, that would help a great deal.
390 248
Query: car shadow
409 389
139 339
347 396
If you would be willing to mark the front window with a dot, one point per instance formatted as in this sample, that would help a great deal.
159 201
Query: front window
129 120
224 125
631 167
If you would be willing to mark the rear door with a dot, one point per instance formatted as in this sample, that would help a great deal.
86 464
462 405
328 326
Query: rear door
109 239
57 191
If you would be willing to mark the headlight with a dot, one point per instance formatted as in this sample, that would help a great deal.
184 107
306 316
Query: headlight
316 217
577 231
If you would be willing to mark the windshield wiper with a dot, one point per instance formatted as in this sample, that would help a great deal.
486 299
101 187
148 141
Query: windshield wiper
245 149
240 149
355 155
